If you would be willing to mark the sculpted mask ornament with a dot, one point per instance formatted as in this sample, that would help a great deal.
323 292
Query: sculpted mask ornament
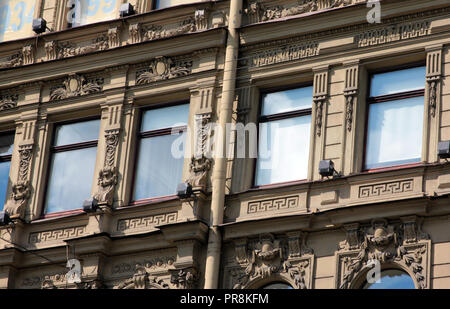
199 168
107 180
386 244
271 256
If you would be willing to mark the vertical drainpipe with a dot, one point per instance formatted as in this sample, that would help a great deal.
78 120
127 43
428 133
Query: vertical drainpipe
213 253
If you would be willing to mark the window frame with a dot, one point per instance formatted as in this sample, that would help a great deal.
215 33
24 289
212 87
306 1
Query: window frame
8 158
280 116
149 134
387 98
64 148
67 25
36 14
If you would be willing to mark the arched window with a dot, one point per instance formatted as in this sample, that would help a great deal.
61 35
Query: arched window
277 286
392 279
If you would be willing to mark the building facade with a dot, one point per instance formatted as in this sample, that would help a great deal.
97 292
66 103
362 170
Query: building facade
114 112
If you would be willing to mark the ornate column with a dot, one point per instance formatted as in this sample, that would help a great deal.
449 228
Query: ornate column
320 99
21 187
108 175
351 93
431 135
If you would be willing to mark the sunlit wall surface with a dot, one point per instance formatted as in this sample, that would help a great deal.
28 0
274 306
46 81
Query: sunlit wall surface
90 11
16 18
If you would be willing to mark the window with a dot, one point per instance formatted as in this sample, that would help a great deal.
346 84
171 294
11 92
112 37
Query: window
391 279
16 18
395 119
161 4
6 149
90 11
284 135
161 152
72 165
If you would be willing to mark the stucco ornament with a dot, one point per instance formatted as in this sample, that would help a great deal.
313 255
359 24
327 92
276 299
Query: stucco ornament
162 68
8 101
142 280
76 85
21 190
107 178
267 257
388 244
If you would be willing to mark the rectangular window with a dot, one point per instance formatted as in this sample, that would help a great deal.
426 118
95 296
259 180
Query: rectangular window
6 149
85 12
16 17
160 158
284 136
395 119
161 4
72 165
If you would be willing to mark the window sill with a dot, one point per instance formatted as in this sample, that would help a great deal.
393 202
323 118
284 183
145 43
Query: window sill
60 214
279 185
392 168
151 201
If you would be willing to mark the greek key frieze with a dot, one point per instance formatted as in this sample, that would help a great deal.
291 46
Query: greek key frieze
393 33
58 234
283 54
394 187
142 222
273 204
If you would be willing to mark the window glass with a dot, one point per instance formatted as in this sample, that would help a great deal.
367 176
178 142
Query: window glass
6 144
4 179
70 182
392 279
158 172
394 132
161 153
91 11
166 117
77 132
397 81
72 167
287 101
16 18
160 4
283 150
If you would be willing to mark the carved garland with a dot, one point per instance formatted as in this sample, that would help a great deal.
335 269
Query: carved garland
319 101
403 245
162 68
350 99
257 12
76 85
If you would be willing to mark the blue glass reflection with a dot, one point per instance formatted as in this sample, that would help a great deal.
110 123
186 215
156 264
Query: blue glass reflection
394 133
159 168
71 176
163 118
287 101
397 81
77 132
392 279
4 179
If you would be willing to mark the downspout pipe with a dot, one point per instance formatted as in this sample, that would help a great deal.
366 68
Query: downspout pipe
213 254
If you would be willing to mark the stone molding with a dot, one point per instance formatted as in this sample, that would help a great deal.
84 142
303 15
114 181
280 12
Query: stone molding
260 260
403 245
